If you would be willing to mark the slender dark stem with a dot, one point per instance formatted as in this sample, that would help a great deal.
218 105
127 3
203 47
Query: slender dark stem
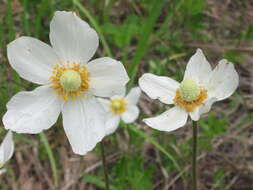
104 166
194 154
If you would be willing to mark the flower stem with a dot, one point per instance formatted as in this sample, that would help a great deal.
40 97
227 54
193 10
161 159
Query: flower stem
104 166
194 154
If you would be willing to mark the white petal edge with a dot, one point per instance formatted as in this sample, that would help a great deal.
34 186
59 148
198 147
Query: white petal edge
159 87
131 114
2 171
32 59
6 148
105 104
170 120
112 120
195 116
84 123
34 111
108 77
205 108
112 123
133 96
223 81
198 68
72 38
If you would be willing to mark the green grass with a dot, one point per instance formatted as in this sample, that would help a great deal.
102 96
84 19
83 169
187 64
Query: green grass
51 158
146 31
156 36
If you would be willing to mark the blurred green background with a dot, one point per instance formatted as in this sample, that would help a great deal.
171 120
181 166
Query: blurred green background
155 36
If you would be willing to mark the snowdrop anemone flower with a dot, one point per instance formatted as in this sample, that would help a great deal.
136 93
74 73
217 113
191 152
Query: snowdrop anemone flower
70 82
121 107
200 88
6 150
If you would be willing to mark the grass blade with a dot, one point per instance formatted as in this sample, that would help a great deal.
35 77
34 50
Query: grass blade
43 7
51 158
25 18
143 42
10 22
96 181
157 145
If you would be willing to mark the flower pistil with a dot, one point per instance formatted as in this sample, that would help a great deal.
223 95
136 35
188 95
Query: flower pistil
189 95
70 81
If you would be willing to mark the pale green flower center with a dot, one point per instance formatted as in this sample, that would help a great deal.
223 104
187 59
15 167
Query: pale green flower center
116 104
189 90
70 80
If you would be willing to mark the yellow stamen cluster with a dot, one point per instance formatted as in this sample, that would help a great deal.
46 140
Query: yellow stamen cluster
70 80
190 106
118 105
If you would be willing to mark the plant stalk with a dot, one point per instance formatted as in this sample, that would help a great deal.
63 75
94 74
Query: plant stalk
107 187
194 154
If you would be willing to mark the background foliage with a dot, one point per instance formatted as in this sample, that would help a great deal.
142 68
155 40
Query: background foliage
155 36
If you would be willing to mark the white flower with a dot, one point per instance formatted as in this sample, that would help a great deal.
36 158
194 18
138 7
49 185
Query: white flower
70 82
6 150
200 88
121 107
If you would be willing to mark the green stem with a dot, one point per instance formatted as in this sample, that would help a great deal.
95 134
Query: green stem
194 154
104 166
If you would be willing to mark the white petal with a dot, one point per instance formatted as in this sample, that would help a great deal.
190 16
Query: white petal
223 81
32 59
195 115
207 105
6 148
84 123
117 97
72 38
198 68
105 104
131 114
112 120
112 123
170 120
107 77
133 96
32 112
157 87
